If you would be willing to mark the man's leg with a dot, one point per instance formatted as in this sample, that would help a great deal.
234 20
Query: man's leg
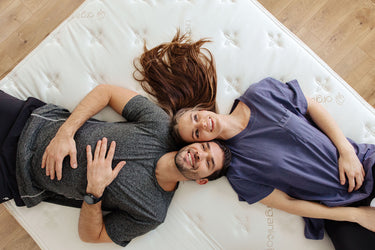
13 116
9 110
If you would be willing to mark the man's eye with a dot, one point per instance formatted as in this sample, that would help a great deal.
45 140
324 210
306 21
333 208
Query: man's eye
196 118
197 133
203 147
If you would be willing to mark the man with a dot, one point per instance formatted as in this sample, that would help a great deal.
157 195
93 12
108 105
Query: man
136 194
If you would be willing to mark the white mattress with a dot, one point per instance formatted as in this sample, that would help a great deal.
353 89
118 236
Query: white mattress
97 44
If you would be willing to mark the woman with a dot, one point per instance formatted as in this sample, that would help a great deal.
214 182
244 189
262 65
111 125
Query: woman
287 150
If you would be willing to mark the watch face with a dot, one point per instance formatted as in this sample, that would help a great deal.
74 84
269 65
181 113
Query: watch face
89 199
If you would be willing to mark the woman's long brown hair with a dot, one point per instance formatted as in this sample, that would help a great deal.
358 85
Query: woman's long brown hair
179 74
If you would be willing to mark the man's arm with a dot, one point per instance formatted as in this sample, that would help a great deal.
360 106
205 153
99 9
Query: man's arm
365 216
63 143
349 163
91 226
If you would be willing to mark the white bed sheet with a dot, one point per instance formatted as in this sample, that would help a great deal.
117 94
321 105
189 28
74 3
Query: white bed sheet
97 44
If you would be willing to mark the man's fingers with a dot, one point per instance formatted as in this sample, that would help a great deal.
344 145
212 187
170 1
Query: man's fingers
73 159
111 151
103 149
97 149
58 170
47 167
52 171
44 160
118 168
89 155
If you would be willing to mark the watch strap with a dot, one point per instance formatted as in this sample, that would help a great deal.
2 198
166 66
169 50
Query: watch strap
91 199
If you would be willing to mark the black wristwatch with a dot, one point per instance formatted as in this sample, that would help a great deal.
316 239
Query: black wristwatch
91 199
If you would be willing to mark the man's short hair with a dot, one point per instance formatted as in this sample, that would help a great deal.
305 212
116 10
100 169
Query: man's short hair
227 159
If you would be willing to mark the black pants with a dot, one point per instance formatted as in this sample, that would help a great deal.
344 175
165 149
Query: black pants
13 116
351 236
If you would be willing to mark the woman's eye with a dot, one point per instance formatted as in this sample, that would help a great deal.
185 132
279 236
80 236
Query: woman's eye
197 133
196 118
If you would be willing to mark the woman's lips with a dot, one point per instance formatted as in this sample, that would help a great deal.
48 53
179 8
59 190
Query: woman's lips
211 124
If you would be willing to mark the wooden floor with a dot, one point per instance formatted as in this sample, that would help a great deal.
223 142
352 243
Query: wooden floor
341 32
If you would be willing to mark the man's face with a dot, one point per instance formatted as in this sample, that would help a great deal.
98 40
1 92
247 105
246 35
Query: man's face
199 160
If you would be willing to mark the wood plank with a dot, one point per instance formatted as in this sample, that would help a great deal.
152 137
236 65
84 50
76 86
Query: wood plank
309 38
366 87
368 44
6 64
355 65
329 17
17 45
275 6
35 5
4 4
10 232
349 33
12 17
298 12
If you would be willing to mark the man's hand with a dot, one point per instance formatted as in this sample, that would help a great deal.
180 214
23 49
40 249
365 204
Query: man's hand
99 167
351 168
59 147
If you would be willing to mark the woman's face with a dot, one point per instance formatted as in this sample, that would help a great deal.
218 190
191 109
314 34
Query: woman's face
198 125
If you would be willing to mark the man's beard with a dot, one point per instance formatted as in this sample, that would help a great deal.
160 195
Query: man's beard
181 166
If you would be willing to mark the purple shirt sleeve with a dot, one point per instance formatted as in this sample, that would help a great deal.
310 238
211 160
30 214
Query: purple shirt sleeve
250 192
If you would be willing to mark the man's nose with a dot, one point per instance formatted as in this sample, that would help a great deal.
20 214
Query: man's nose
200 155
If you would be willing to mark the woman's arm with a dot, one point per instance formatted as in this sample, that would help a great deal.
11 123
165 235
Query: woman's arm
365 216
63 143
349 164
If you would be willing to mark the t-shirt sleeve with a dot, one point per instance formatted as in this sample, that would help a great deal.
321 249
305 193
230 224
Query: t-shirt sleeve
314 228
273 92
294 94
249 191
141 109
122 228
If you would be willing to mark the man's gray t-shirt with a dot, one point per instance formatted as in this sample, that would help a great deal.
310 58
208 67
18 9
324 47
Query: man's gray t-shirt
136 201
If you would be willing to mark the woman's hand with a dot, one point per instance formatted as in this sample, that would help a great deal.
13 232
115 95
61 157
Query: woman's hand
366 217
99 167
351 168
59 147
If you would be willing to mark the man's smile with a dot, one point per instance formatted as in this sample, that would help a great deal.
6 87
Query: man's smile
190 158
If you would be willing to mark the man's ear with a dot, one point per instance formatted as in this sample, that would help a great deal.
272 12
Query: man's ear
201 181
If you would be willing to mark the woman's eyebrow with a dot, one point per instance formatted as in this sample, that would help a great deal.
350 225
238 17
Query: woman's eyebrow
192 121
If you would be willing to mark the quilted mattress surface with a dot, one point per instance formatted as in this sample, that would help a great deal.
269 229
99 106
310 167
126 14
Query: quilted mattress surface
97 44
